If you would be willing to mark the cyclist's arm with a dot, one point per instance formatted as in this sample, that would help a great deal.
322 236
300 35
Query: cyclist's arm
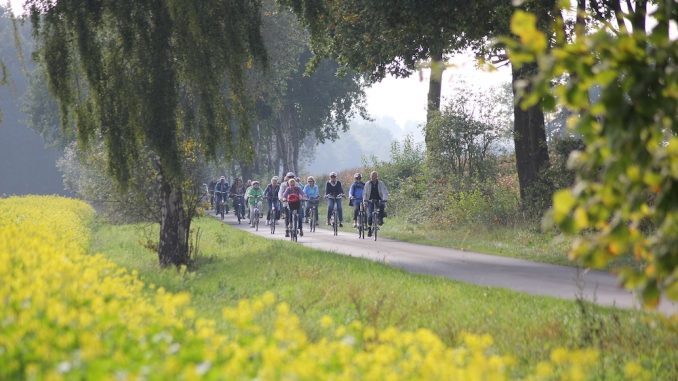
384 195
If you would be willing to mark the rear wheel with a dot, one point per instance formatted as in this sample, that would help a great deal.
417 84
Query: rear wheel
256 219
361 225
312 221
375 224
273 221
335 223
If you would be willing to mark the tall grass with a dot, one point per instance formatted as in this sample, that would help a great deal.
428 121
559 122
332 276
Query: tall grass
236 265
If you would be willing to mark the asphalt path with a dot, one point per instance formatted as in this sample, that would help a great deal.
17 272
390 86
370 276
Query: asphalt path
489 270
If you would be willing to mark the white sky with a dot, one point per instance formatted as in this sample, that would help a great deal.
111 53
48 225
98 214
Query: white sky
404 99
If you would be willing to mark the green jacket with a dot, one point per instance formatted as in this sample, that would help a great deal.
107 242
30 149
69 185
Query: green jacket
253 195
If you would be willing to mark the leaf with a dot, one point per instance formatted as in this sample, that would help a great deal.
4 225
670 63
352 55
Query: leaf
672 290
651 295
563 201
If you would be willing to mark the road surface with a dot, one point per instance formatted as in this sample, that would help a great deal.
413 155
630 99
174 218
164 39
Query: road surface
481 269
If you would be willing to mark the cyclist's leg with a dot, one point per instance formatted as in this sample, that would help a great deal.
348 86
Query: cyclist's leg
300 213
330 206
381 212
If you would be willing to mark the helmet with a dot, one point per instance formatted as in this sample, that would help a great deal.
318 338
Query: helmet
222 178
357 176
333 174
290 174
255 182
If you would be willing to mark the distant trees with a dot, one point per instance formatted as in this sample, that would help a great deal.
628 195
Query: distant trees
379 38
294 108
467 131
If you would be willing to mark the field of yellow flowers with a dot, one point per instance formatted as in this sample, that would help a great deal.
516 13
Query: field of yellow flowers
68 314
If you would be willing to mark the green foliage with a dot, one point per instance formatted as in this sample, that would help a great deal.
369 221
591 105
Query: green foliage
316 283
128 69
463 137
625 197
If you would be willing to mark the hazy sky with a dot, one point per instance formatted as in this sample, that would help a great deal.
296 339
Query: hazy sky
404 99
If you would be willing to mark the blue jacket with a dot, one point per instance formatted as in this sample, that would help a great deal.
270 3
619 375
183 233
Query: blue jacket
311 192
356 190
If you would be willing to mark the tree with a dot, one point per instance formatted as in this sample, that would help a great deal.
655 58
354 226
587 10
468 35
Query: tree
393 37
466 131
625 197
294 108
377 38
153 74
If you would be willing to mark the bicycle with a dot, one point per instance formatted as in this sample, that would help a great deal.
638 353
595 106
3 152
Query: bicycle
294 218
255 214
362 219
239 206
376 218
313 213
273 220
220 206
334 219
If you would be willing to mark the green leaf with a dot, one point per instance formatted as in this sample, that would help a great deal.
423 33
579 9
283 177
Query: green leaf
563 201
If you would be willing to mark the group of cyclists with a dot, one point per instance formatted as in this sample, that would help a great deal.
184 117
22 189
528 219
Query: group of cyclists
290 196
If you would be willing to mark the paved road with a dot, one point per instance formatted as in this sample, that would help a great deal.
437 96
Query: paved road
482 269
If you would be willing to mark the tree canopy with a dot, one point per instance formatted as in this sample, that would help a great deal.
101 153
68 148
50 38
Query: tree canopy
130 69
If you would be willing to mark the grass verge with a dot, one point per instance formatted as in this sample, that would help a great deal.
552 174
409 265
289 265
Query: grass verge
233 265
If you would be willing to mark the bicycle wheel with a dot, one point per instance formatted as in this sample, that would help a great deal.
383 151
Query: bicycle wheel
335 222
361 226
273 221
221 210
375 224
293 227
311 222
256 219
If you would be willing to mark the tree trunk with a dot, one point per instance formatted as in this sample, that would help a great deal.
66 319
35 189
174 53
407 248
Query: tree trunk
434 88
529 136
174 223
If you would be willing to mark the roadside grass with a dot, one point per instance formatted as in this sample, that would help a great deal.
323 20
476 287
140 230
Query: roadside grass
519 241
233 265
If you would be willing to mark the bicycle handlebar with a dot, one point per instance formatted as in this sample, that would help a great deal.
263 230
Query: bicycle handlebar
335 197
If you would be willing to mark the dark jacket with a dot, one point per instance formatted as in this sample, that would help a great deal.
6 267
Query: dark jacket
335 189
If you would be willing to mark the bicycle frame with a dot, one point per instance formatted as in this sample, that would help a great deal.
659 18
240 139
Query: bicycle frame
335 212
239 206
377 204
362 219
313 213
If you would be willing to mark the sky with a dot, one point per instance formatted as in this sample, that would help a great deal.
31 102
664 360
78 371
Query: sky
404 99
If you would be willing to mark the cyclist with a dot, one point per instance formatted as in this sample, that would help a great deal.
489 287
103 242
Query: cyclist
312 193
238 191
294 195
355 196
221 192
253 195
333 188
283 186
271 195
247 190
210 190
376 192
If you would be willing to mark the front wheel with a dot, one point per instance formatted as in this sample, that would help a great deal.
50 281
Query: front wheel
273 221
375 224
